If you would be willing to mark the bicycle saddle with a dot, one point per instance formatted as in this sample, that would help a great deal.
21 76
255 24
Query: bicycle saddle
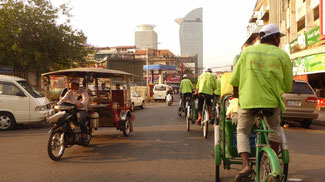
263 111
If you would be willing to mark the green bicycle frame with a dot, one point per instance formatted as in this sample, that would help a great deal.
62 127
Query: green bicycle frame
228 154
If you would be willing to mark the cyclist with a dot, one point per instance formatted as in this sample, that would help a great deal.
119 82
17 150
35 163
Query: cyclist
263 73
186 89
205 87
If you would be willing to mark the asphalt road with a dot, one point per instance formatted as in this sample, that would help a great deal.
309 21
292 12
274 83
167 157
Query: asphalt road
159 149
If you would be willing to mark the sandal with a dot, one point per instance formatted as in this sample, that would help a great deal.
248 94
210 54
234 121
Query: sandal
244 175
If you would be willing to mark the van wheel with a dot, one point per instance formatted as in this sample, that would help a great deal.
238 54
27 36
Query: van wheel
7 121
306 123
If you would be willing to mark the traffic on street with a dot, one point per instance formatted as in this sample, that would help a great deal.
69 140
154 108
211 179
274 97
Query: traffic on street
159 149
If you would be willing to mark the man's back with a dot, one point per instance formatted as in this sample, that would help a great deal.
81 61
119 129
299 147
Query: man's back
263 73
207 83
186 86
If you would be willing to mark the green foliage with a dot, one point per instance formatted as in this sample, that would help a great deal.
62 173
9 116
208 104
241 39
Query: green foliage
190 74
31 38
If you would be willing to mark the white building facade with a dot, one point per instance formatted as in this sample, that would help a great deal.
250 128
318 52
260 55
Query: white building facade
146 37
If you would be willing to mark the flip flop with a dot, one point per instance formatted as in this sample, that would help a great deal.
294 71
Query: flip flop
244 175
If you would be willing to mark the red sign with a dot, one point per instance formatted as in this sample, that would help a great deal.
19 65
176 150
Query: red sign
174 79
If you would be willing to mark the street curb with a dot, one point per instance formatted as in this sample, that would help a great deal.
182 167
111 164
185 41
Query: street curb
317 122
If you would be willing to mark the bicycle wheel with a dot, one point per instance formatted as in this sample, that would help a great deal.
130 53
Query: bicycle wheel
205 123
188 118
265 170
285 167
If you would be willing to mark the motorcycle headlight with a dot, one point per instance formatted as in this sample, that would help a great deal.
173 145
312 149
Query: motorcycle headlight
40 108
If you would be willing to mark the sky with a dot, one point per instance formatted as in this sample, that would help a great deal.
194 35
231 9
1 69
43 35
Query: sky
109 23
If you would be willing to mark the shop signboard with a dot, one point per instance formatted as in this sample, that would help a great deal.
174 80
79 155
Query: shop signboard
312 36
309 64
174 79
6 70
293 44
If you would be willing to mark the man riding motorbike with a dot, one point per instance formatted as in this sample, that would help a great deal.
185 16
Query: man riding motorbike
205 87
72 96
186 89
262 74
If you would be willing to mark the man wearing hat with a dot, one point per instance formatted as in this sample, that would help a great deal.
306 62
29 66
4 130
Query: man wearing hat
186 87
205 87
262 74
78 96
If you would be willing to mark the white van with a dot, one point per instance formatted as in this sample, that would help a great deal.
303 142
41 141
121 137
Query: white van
20 103
160 92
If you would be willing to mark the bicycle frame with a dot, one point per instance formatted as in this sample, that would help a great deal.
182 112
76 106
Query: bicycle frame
228 154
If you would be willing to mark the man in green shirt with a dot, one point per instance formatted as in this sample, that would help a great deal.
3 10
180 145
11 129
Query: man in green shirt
205 87
262 74
186 89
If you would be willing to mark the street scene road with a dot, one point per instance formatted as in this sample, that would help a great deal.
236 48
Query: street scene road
159 149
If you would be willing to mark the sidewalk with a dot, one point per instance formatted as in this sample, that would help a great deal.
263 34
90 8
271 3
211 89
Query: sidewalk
321 118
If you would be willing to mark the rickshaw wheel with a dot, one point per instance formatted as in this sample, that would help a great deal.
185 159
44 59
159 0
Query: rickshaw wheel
127 130
217 172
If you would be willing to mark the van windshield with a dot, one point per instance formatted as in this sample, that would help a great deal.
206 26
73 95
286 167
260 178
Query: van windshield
29 89
160 88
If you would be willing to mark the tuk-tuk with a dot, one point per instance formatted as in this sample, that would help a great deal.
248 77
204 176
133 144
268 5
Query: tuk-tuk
112 103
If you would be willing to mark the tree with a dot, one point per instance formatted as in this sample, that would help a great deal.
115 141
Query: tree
32 40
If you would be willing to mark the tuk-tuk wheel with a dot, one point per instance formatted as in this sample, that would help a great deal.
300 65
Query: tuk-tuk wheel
127 130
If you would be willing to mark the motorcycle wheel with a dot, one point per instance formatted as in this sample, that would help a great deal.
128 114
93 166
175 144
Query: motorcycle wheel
56 147
127 130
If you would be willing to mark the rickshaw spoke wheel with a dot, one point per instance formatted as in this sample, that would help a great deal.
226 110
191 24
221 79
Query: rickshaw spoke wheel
266 170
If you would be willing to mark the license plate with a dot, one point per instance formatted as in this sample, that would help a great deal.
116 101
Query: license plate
293 103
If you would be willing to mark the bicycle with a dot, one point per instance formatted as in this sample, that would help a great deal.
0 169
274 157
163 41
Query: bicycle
269 165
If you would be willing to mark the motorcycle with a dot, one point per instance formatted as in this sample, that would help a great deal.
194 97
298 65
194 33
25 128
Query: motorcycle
66 130
169 99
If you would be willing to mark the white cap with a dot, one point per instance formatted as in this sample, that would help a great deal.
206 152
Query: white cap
269 30
185 76
208 69
75 80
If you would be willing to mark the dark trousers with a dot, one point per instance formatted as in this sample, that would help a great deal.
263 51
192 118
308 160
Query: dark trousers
81 115
184 97
207 98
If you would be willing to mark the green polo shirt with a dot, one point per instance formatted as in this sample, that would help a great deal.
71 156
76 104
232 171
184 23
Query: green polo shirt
186 86
263 73
207 83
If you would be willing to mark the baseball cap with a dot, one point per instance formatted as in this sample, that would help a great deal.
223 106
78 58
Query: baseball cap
75 80
208 69
269 30
185 76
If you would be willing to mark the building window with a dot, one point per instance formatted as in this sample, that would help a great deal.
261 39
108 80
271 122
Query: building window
316 13
301 24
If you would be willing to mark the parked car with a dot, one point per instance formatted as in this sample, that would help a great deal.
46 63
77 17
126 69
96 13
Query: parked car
20 103
300 104
136 101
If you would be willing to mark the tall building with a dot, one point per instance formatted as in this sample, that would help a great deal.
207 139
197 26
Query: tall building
191 35
146 37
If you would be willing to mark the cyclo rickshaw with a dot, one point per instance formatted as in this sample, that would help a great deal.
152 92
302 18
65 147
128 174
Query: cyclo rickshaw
269 166
112 103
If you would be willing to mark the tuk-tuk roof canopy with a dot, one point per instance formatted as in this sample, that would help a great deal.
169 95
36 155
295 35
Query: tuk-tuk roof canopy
82 72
